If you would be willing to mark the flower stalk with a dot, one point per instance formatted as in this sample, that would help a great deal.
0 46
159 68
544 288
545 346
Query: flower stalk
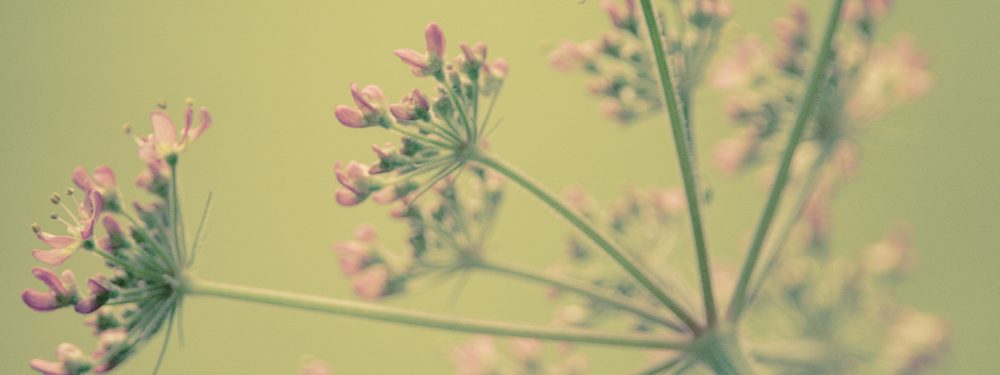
683 146
816 82
623 258
197 287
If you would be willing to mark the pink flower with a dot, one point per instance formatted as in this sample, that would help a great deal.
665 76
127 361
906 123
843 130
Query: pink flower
372 282
622 19
71 361
97 297
62 290
355 181
430 63
81 229
109 341
413 107
103 181
314 367
165 137
354 256
369 111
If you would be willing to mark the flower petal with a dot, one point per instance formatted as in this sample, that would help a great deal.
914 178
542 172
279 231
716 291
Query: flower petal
164 131
53 257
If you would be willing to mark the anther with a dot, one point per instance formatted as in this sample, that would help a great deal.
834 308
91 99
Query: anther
55 199
54 216
36 228
127 128
70 191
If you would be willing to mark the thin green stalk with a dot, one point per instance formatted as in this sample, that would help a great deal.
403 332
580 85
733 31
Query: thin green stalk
816 81
581 288
684 158
626 260
662 367
175 215
422 319
785 231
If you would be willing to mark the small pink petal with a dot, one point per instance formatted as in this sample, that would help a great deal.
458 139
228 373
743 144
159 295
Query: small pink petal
54 257
371 283
40 301
105 177
81 180
361 100
414 59
48 368
164 131
435 40
384 196
347 197
206 122
54 241
350 117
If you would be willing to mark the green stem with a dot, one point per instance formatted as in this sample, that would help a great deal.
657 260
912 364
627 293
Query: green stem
581 288
816 81
422 319
785 231
684 158
175 215
720 350
626 260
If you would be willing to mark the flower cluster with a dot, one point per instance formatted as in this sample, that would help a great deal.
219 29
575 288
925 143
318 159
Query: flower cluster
448 231
145 254
622 67
439 132
485 355
866 79
846 310
646 222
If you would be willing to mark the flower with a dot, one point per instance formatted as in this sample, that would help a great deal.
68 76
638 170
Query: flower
62 290
165 138
80 228
440 134
370 110
71 361
147 265
372 282
430 63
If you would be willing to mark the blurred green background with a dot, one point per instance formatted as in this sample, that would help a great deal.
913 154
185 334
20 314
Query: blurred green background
271 72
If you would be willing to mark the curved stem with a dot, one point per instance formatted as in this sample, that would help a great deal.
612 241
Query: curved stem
422 319
684 158
581 288
629 263
816 81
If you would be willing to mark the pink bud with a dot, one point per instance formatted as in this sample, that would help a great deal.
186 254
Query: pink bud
350 117
96 298
371 283
365 232
435 41
353 256
418 63
81 179
347 197
104 177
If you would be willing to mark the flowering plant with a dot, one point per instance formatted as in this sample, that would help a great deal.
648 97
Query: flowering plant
796 305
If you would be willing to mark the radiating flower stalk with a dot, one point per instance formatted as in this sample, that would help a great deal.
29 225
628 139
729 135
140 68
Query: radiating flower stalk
795 306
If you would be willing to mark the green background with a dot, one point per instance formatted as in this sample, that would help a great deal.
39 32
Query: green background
271 72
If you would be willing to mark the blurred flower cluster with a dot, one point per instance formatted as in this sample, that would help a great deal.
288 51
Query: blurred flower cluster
621 65
439 132
448 229
145 252
866 79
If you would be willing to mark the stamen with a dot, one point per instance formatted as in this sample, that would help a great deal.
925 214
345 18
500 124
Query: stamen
55 199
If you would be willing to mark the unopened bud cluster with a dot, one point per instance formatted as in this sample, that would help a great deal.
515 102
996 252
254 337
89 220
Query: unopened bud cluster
621 64
440 132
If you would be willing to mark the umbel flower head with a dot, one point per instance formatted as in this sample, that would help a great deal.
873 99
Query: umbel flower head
440 132
145 254
621 66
